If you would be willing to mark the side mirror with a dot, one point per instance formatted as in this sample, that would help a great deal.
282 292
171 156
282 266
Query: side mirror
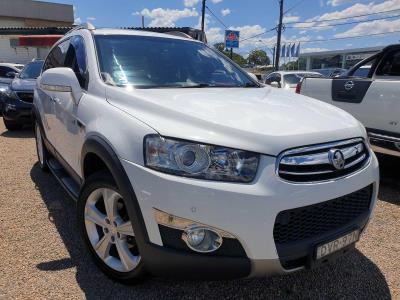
253 76
11 74
61 80
275 84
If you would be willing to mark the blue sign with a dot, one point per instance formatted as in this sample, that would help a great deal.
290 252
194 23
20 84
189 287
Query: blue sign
232 39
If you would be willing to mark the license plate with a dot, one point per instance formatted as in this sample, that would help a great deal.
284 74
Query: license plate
339 243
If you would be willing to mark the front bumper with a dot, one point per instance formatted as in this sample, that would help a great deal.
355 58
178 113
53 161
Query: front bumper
17 111
247 211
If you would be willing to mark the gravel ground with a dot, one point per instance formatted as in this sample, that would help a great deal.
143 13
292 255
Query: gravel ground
42 256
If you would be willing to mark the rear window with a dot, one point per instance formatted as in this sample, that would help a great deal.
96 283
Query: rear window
295 78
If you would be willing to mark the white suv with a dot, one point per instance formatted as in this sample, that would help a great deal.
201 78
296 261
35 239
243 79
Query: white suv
183 165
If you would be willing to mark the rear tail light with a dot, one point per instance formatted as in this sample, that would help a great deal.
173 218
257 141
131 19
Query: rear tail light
298 87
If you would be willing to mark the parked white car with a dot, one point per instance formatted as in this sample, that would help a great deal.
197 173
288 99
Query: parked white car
288 79
8 72
371 93
184 166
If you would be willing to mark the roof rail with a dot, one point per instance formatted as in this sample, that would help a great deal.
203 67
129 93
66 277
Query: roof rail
87 25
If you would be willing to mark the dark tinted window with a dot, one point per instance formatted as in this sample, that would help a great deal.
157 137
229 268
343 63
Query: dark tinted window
295 78
31 70
390 65
56 57
363 69
76 59
5 70
151 62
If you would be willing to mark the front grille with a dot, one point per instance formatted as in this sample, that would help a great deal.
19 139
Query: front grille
299 224
25 96
314 163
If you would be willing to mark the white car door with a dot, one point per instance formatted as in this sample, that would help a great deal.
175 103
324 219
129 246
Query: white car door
47 98
67 125
385 91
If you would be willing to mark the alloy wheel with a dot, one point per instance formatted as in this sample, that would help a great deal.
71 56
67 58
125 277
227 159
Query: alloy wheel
110 231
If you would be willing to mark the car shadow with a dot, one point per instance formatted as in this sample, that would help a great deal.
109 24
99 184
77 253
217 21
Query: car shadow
26 132
353 276
389 167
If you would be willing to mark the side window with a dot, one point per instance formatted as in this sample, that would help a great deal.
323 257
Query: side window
390 65
363 70
56 57
269 78
4 71
76 59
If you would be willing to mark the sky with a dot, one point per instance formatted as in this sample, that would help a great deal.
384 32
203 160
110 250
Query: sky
254 17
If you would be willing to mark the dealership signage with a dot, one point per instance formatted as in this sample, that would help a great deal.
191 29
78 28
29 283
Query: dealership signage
357 56
232 39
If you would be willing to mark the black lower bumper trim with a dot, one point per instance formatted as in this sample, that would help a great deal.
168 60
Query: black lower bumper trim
302 254
160 261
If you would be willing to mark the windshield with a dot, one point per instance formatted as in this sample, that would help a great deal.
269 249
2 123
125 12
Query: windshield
295 78
31 70
153 62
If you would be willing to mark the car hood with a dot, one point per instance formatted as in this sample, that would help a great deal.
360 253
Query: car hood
263 120
19 84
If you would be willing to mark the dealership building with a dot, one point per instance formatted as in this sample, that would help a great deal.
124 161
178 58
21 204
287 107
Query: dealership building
344 59
29 28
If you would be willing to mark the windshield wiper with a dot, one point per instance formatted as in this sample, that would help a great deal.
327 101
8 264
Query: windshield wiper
250 84
197 85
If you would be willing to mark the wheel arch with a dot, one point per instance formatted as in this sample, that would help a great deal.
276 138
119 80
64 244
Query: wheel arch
96 147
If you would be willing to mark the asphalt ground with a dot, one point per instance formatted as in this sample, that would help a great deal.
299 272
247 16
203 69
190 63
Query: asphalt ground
42 257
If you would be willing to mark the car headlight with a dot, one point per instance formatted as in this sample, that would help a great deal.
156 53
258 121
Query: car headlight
202 161
10 94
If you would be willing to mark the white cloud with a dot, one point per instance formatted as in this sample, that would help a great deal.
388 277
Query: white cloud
161 17
90 18
190 3
77 21
338 2
214 35
225 12
352 11
289 18
216 1
248 31
373 27
360 9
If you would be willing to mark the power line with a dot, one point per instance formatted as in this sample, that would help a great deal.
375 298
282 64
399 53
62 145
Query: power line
344 18
346 23
293 6
211 12
343 38
257 35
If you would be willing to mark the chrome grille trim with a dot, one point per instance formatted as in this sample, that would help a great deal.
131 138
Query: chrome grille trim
306 164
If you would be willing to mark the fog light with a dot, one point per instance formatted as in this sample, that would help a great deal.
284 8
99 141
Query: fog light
202 239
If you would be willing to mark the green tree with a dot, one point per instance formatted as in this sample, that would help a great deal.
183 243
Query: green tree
237 58
258 58
299 64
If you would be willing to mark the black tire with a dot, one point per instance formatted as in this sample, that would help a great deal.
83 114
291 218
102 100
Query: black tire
11 126
42 163
94 182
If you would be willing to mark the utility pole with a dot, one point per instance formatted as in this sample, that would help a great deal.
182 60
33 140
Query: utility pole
278 43
203 15
142 21
273 56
